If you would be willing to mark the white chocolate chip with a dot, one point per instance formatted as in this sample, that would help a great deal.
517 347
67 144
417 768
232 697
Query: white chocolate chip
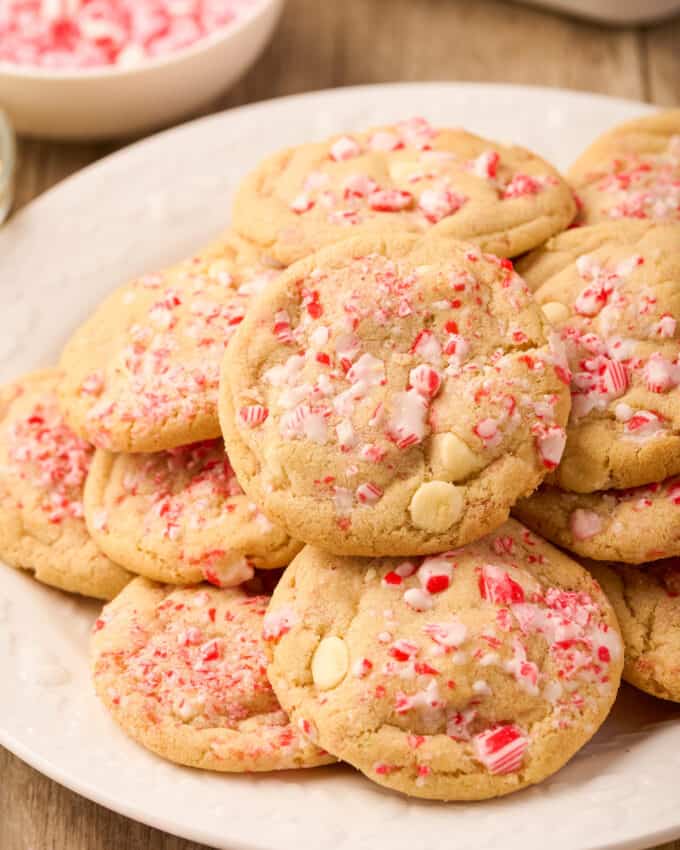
452 460
275 475
401 169
436 505
330 663
555 312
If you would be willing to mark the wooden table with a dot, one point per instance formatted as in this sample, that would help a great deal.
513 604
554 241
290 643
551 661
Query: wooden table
322 44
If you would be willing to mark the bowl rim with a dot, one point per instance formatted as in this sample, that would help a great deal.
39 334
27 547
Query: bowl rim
223 34
7 151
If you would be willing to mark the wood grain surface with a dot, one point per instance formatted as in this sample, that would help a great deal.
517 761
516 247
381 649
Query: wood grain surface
323 44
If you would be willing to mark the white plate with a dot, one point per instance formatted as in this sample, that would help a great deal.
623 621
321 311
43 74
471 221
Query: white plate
148 205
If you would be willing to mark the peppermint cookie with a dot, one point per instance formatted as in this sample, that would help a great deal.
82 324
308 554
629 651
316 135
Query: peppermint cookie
633 171
647 604
183 671
460 676
612 293
406 177
142 373
393 396
43 466
634 526
180 516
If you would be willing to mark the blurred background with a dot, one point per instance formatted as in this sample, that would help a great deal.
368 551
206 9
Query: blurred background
324 44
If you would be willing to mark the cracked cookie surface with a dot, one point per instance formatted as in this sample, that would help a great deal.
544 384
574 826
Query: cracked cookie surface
183 671
459 676
141 374
647 604
181 517
633 526
631 172
612 292
393 396
43 466
406 177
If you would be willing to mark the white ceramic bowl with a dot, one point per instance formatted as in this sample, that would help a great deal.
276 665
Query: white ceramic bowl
108 102
620 12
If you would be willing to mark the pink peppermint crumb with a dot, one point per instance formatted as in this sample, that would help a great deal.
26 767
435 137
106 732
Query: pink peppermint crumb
46 453
80 34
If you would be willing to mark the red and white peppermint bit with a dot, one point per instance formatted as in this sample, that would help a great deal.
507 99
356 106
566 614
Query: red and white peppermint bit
525 672
253 414
362 667
501 749
435 573
344 148
665 327
282 327
278 622
385 141
427 346
419 600
407 425
496 585
425 380
640 424
359 186
390 200
615 378
551 442
661 374
487 431
301 203
93 384
436 205
674 491
523 185
403 650
72 34
585 524
486 165
233 570
368 493
449 635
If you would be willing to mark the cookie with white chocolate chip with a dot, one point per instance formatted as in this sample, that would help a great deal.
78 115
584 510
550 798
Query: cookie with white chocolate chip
141 374
406 177
458 676
633 526
631 172
393 396
182 671
43 467
181 517
647 603
612 292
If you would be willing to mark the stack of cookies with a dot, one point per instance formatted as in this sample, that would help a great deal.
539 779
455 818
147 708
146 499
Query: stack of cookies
612 290
358 385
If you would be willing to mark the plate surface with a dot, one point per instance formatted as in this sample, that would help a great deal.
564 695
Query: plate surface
147 206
